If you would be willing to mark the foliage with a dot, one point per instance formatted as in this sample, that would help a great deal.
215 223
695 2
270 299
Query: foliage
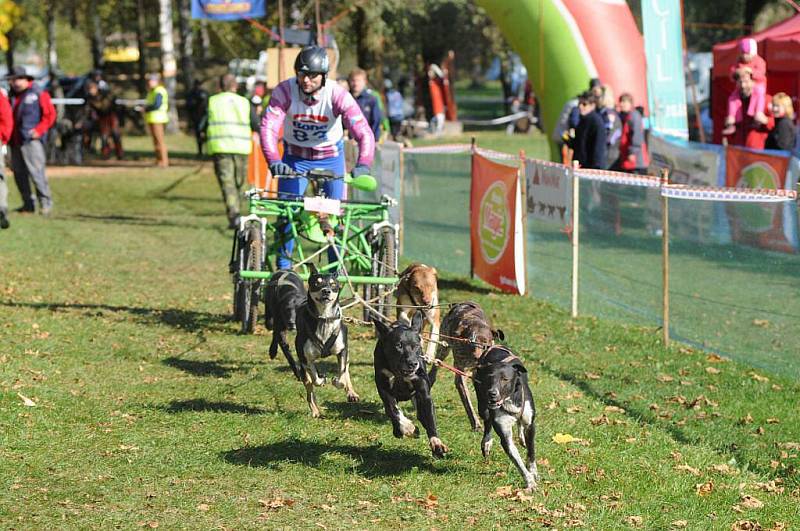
10 13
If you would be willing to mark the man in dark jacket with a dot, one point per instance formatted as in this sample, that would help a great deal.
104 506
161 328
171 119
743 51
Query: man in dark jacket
589 144
633 156
34 114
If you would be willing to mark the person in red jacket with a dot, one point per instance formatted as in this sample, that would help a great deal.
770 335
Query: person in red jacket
750 131
633 156
34 114
6 125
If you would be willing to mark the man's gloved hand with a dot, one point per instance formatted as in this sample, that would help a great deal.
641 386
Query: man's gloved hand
360 170
280 168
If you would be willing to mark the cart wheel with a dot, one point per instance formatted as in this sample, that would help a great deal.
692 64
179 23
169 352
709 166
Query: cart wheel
233 269
384 265
250 289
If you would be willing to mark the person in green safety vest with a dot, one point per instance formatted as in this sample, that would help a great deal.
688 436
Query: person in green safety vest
155 116
228 124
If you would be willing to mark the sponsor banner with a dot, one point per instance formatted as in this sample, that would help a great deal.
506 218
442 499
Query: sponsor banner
663 48
229 9
758 224
496 228
549 190
689 165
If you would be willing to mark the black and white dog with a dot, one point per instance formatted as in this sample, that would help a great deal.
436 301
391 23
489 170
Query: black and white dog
400 375
504 399
283 294
321 333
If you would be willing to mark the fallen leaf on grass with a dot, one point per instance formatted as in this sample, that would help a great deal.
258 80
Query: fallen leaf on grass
574 409
747 419
763 323
591 376
746 525
634 520
757 377
723 469
704 489
502 492
614 409
276 503
430 501
26 401
203 507
770 486
773 421
686 468
152 524
715 358
665 378
564 438
712 370
789 445
679 524
751 502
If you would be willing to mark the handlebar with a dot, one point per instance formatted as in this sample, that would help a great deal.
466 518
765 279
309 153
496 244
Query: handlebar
366 183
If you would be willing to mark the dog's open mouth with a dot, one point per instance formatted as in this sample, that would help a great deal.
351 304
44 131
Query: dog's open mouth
495 405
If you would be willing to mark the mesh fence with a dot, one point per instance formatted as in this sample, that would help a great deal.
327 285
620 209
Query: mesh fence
436 209
733 274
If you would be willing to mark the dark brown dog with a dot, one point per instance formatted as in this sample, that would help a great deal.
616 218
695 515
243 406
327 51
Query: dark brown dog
418 287
468 332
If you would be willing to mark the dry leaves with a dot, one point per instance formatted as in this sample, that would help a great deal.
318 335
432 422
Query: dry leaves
564 438
746 525
712 370
686 468
679 524
763 323
714 358
591 376
634 520
704 489
750 502
276 503
724 469
757 377
665 378
203 507
27 402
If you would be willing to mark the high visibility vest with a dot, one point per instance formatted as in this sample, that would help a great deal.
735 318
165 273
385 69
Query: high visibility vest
158 116
229 124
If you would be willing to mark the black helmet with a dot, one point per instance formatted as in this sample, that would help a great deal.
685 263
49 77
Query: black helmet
312 60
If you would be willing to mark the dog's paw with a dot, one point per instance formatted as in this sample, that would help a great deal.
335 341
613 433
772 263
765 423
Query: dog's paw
437 447
408 429
534 470
338 384
320 381
353 397
315 412
273 354
486 447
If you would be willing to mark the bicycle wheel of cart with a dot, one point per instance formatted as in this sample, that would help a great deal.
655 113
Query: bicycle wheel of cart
249 289
233 268
384 265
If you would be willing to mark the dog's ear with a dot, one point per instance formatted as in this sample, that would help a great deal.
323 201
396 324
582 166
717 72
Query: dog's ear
498 335
313 268
416 322
381 328
519 367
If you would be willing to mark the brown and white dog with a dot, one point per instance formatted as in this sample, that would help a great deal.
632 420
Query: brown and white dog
468 333
418 287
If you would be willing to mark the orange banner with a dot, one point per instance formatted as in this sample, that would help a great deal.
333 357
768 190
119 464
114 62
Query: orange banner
757 224
496 229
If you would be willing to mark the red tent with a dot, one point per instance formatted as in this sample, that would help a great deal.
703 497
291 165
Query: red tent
779 45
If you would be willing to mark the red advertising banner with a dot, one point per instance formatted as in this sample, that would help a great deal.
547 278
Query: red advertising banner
757 224
496 229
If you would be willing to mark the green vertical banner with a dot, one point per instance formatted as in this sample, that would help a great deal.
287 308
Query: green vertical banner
666 86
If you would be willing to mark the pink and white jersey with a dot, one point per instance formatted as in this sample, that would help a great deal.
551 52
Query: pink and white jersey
312 125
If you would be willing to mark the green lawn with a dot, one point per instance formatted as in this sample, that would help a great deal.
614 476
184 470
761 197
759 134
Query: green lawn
150 410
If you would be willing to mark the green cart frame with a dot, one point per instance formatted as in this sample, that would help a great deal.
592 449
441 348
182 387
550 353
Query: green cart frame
365 240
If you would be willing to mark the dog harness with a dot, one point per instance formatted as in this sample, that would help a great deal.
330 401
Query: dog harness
510 356
311 333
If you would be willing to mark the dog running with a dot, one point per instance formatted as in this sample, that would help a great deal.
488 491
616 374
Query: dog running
417 291
505 399
400 376
468 333
283 294
321 333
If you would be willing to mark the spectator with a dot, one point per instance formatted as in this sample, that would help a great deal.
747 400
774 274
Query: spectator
366 100
394 106
589 144
6 127
752 64
101 109
749 131
156 117
565 130
228 125
782 135
606 107
436 89
197 104
34 114
633 156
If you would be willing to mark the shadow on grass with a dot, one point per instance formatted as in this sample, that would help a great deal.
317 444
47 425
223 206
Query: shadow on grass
201 404
363 411
143 221
462 285
742 454
213 369
187 320
373 461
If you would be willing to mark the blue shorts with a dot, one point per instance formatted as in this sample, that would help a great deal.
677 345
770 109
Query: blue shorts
293 188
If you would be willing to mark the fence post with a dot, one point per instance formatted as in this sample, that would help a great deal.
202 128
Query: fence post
523 191
575 235
665 256
472 150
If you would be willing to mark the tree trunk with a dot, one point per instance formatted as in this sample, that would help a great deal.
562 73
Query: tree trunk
141 28
360 28
52 55
168 65
751 10
97 41
205 40
185 28
10 52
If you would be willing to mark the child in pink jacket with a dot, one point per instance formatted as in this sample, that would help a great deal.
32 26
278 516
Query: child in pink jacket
753 64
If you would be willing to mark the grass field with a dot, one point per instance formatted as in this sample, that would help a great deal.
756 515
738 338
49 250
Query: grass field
127 399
